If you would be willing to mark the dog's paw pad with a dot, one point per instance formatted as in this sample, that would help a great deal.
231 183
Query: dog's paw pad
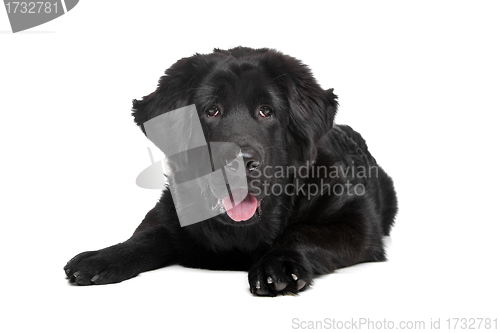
274 276
279 286
301 284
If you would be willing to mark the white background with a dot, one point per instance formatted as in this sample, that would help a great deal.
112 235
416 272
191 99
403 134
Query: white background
420 80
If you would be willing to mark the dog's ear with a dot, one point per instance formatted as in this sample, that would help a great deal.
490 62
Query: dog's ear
311 109
174 88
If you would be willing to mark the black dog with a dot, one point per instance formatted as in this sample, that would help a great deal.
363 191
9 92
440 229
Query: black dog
318 200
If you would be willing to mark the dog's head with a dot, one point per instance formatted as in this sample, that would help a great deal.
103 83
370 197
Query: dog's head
265 102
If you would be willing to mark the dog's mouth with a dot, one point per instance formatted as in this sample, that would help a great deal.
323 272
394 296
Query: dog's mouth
241 205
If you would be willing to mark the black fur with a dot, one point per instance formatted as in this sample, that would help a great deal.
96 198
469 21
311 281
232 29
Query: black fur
294 238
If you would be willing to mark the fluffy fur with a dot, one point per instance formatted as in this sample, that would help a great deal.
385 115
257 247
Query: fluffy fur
292 238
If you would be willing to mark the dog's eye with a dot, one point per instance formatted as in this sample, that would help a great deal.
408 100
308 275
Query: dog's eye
265 111
213 111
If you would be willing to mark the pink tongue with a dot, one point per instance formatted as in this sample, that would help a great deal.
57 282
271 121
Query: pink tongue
242 211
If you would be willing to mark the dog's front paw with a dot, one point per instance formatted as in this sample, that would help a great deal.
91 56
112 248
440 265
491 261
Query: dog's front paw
279 274
97 267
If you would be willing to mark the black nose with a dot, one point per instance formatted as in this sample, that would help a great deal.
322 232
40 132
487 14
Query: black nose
251 159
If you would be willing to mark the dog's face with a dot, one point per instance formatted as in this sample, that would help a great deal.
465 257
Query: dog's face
241 104
266 103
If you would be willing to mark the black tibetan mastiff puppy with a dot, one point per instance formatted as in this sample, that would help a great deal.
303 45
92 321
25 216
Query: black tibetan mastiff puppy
318 201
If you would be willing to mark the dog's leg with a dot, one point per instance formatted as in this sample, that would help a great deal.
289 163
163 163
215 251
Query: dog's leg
311 248
149 248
